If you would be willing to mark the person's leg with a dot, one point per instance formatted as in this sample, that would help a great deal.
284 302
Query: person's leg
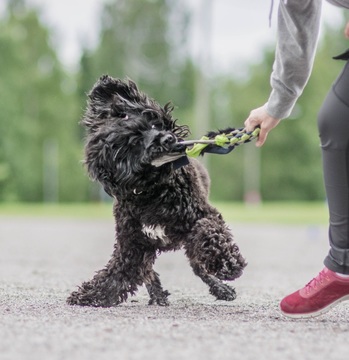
329 288
333 124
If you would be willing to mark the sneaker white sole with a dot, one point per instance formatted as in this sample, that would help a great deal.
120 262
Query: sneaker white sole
315 313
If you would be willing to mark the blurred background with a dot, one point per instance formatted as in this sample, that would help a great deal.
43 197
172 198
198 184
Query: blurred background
211 59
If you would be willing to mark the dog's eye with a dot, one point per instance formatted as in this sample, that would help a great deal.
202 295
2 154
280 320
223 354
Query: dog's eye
121 116
115 112
157 126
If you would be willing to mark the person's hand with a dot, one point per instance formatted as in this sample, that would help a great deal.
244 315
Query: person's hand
260 117
346 31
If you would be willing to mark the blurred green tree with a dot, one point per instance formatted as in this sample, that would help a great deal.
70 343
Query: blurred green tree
39 114
146 42
41 104
290 161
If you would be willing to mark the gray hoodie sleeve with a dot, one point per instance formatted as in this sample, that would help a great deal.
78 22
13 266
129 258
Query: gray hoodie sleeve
297 35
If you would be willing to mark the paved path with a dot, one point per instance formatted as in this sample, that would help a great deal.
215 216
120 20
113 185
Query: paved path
41 261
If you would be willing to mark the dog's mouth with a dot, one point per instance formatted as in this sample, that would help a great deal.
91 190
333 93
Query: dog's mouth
167 158
167 149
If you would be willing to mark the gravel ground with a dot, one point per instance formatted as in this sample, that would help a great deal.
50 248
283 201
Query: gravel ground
42 260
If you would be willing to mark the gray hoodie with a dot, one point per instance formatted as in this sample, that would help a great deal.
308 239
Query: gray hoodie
297 36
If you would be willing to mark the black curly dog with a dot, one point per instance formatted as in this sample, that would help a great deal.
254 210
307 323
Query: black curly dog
157 207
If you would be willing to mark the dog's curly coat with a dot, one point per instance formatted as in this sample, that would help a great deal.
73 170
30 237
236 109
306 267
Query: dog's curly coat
156 209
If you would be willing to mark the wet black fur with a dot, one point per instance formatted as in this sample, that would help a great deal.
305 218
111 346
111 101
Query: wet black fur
156 209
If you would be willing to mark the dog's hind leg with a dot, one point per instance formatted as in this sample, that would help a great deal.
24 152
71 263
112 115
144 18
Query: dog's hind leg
126 270
214 256
157 294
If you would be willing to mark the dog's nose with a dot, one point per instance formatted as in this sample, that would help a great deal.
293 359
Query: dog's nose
167 139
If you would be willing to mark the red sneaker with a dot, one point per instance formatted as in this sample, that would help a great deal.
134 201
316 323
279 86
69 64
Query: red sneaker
317 297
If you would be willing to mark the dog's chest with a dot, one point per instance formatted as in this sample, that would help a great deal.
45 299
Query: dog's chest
156 234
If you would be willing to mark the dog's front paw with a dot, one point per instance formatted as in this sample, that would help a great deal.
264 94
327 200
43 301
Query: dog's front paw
223 292
160 300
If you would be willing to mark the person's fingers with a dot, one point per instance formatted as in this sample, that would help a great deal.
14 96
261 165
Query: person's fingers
262 136
259 117
250 124
346 31
266 126
253 120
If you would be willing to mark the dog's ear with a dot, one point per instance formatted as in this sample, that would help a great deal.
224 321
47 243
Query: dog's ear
127 99
112 98
108 89
98 161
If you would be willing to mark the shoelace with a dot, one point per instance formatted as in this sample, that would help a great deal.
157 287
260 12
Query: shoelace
318 280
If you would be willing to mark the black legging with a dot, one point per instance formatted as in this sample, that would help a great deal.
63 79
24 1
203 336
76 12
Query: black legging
333 123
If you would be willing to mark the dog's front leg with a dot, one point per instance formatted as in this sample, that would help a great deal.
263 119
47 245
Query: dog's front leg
127 269
217 288
214 256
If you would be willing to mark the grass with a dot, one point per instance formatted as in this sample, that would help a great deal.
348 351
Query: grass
68 210
299 213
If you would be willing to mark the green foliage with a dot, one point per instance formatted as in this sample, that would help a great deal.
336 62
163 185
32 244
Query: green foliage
41 142
136 41
36 106
290 161
295 213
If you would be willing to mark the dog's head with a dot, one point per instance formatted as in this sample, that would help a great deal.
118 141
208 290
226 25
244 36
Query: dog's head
127 134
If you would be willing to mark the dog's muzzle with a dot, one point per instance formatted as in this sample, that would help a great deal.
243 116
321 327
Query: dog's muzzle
167 141
173 150
159 141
